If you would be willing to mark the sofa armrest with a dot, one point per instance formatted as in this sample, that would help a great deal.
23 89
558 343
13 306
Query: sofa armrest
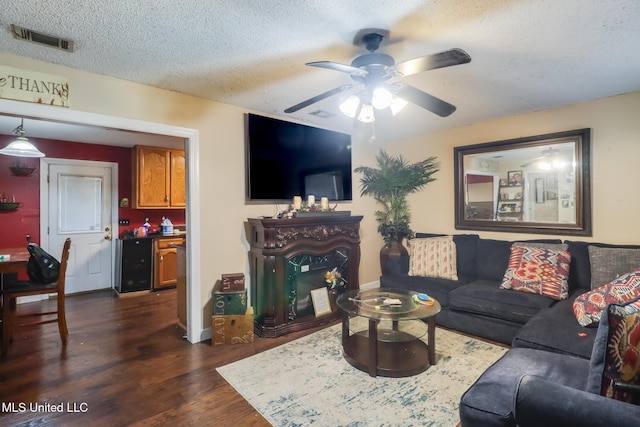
539 402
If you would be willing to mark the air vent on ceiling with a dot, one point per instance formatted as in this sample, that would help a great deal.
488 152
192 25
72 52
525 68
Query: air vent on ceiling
26 34
322 113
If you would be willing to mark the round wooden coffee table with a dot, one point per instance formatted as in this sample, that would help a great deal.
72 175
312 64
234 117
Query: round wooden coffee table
381 331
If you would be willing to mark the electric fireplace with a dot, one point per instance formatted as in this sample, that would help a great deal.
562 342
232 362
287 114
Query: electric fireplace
289 258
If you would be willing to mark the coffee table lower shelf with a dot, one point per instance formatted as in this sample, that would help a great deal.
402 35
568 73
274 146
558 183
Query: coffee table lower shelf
399 355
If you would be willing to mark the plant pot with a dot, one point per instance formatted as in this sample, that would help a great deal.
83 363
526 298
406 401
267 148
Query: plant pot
393 250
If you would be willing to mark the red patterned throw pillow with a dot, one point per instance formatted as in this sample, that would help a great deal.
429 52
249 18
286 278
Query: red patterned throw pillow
616 353
589 306
538 270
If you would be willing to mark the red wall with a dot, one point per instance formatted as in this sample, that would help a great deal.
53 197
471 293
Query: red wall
15 225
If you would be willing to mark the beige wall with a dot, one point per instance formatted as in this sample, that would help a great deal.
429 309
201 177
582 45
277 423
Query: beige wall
615 151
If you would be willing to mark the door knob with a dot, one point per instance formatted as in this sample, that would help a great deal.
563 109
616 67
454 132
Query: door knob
108 235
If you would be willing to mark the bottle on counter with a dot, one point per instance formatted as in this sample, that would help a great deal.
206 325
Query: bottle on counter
167 227
146 227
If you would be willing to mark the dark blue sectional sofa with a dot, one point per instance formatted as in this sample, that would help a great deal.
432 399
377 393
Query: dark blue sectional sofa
475 304
550 350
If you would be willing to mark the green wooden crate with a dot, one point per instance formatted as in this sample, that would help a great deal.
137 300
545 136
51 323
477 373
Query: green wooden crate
227 303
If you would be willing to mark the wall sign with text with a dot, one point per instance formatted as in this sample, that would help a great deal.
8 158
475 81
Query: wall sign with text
31 86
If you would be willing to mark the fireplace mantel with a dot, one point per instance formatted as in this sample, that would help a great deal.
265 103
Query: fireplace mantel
276 241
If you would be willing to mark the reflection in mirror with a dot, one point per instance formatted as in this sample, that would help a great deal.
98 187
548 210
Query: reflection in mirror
536 184
481 195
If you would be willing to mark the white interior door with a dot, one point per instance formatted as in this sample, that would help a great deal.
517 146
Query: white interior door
80 208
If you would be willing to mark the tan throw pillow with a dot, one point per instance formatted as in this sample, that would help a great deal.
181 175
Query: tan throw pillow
433 257
609 263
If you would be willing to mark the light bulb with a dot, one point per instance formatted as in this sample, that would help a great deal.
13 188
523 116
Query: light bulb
381 98
350 106
366 114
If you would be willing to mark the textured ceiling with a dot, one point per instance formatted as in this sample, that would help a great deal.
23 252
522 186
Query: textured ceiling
526 55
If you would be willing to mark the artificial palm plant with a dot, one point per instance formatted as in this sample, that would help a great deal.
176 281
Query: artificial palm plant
390 182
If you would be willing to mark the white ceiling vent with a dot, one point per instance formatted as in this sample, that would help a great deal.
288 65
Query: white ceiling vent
26 34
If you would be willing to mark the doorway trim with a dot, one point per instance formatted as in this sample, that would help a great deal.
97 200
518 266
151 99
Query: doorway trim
195 331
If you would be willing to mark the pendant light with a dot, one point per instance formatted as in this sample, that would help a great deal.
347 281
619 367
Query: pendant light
21 147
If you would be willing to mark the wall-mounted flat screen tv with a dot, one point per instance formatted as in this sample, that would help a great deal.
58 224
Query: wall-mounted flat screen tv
285 159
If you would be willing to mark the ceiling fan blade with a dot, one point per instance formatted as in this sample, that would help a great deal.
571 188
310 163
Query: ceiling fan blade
343 68
424 100
317 98
429 62
530 162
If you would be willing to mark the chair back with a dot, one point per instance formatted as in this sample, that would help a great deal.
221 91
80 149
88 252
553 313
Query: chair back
64 260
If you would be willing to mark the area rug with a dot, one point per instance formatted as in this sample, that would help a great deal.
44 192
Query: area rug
307 382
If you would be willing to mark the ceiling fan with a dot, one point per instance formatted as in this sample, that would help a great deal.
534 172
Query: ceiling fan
374 70
548 157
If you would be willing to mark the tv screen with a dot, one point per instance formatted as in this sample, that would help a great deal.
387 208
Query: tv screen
285 159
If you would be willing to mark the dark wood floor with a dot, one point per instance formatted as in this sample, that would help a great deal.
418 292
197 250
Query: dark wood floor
126 363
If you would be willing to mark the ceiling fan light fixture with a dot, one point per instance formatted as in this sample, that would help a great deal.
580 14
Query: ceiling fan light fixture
350 106
558 163
366 114
545 166
381 98
21 147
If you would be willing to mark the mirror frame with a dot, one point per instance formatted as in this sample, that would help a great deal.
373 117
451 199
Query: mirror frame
582 226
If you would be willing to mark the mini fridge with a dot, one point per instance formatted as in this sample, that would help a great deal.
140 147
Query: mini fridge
134 266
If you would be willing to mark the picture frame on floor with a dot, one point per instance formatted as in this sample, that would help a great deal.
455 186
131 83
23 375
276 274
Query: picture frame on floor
320 299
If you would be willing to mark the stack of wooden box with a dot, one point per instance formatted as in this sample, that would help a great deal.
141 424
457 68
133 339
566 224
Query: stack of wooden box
232 321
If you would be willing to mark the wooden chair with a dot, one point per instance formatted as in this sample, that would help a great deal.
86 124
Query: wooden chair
10 318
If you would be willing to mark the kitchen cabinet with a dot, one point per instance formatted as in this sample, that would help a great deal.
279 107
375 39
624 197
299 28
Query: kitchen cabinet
166 261
159 178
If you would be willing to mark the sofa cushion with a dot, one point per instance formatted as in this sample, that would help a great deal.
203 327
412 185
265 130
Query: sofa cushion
433 257
580 270
492 257
616 352
589 306
609 263
436 288
538 269
489 401
485 297
466 247
568 336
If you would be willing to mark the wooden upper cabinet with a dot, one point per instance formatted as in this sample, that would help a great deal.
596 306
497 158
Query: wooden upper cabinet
158 178
178 185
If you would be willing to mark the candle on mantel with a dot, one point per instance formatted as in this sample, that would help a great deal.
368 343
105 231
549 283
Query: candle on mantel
324 204
297 202
311 200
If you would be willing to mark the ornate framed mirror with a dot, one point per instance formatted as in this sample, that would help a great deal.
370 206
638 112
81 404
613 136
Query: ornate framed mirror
538 184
